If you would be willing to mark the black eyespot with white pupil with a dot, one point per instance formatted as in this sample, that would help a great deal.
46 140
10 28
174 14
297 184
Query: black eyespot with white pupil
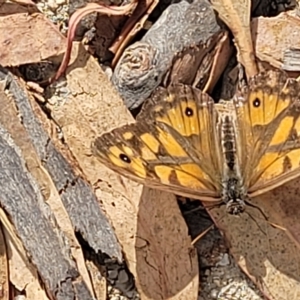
256 102
125 158
189 112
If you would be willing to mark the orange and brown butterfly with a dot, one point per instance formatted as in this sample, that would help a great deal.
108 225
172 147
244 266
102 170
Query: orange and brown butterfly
184 143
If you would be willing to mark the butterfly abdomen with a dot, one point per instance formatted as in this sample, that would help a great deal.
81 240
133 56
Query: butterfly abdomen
232 192
228 143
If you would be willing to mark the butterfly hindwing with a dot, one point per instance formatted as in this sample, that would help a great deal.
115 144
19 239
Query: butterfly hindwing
168 147
268 119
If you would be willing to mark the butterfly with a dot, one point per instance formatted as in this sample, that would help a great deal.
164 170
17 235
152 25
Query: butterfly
184 143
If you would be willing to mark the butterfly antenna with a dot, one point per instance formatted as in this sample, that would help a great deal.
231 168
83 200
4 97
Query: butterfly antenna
195 240
254 220
265 217
258 208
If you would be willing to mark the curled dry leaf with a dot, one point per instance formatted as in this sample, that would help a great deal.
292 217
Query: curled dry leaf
201 66
75 19
236 15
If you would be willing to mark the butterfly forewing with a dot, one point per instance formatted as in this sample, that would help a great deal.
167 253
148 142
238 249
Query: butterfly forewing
268 117
190 116
176 143
171 146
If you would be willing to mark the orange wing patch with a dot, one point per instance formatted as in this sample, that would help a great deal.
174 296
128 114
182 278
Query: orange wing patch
265 107
186 178
151 143
182 117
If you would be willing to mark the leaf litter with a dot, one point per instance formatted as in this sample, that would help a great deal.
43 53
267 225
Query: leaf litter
157 246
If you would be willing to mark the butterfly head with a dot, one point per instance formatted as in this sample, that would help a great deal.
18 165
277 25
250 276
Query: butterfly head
235 206
234 196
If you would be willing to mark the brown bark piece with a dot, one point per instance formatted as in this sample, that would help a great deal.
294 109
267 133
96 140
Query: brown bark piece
7 8
268 254
22 37
148 223
22 199
76 195
201 67
273 36
107 30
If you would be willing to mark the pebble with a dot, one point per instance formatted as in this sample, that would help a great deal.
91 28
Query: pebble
224 261
52 5
214 294
61 2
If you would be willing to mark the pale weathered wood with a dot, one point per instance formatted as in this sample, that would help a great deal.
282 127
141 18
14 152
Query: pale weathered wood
273 37
143 64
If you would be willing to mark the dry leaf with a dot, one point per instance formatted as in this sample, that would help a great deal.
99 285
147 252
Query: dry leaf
22 274
283 204
273 36
267 254
156 244
26 2
201 66
236 15
27 38
99 282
